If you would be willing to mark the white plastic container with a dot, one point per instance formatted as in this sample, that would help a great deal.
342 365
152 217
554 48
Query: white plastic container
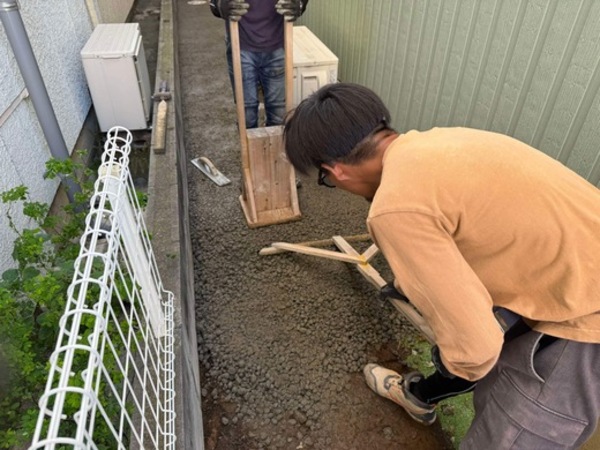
314 64
117 73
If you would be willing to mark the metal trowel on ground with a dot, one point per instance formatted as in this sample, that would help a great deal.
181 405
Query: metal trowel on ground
209 169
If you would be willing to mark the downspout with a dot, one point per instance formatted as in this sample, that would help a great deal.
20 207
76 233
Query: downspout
19 41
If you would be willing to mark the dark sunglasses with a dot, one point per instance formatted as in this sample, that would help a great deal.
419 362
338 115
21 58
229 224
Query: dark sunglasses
324 178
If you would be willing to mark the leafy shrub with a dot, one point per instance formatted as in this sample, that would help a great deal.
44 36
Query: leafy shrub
33 297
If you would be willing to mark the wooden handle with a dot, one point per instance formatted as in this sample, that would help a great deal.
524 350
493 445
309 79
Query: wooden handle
288 42
239 90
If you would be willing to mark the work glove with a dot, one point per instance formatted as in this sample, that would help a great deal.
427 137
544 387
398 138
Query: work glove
390 291
291 9
229 9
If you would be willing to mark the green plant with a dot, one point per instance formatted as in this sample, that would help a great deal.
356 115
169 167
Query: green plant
32 297
455 414
32 300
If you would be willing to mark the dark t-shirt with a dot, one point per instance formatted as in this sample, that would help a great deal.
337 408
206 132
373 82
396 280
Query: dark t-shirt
261 28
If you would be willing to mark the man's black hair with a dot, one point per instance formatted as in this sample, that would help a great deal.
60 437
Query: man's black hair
327 125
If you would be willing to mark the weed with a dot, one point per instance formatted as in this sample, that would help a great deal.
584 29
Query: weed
455 414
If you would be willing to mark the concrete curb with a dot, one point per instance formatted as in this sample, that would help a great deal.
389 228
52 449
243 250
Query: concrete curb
167 219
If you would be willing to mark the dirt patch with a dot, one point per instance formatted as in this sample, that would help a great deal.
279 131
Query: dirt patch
282 339
352 417
351 426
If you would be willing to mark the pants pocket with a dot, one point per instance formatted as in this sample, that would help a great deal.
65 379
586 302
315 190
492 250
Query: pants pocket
513 420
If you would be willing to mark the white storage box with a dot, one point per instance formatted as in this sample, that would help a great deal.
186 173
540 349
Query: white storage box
314 64
115 67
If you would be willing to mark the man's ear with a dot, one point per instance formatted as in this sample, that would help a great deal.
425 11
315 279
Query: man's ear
338 170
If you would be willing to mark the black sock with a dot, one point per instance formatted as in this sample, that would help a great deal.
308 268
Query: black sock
437 387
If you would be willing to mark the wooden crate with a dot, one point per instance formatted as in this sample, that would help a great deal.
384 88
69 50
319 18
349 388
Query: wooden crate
269 194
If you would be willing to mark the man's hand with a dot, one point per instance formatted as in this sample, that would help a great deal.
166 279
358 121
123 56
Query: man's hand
291 9
229 9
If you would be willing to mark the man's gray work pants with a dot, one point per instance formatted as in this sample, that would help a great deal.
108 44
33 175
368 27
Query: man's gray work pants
537 399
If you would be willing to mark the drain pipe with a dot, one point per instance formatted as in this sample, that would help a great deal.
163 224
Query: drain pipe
19 41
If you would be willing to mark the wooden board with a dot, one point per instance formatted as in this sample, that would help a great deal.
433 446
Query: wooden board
269 194
271 217
270 169
355 259
270 250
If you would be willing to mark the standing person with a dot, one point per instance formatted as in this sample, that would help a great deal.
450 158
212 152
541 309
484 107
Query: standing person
472 221
262 52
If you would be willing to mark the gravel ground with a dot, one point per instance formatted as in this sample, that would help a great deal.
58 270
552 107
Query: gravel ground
282 338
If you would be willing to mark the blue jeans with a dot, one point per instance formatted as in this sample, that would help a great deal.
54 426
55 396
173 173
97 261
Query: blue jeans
267 71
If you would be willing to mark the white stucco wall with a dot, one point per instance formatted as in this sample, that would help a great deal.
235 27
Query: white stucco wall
57 30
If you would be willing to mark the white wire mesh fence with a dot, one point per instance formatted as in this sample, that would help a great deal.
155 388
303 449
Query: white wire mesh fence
111 376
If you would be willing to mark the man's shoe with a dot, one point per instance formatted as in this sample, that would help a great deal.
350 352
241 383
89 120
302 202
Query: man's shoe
394 386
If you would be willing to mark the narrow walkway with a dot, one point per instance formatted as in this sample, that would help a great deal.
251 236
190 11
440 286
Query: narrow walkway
282 339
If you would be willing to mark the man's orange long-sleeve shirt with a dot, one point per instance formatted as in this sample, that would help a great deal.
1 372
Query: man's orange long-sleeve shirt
469 219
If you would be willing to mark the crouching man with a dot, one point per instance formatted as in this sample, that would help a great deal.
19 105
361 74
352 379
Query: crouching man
477 227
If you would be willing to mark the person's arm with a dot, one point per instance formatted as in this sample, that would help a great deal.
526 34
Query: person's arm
229 9
291 10
431 271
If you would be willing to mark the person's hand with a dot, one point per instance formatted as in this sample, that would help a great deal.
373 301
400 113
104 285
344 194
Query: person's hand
290 9
229 9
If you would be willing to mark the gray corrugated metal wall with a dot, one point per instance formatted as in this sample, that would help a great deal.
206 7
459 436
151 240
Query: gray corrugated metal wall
527 68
